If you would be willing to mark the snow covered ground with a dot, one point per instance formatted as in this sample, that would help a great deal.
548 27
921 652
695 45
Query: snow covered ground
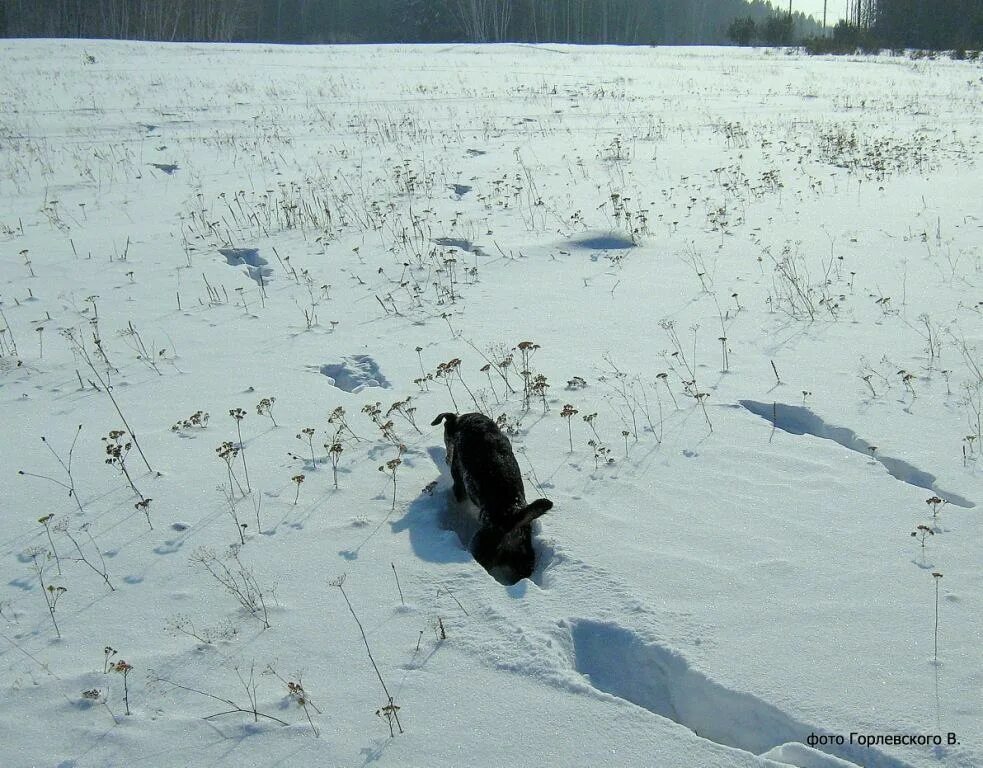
755 278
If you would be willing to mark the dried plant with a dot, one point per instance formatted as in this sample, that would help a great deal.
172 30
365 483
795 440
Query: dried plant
335 450
63 528
423 371
46 522
197 420
337 419
248 684
183 625
631 396
486 369
233 511
237 579
49 592
866 377
144 506
227 452
445 372
935 504
398 587
124 668
602 454
589 419
107 653
664 378
385 425
539 388
921 533
526 351
307 433
298 694
66 465
907 379
7 341
390 468
407 411
439 630
690 386
390 711
503 366
98 696
297 480
116 453
146 356
568 413
239 414
265 408
75 340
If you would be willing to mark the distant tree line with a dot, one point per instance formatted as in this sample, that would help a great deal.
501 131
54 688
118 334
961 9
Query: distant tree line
658 22
776 29
309 21
934 24
875 24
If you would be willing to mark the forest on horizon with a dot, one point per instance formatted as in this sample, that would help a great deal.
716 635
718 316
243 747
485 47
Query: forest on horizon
934 24
646 22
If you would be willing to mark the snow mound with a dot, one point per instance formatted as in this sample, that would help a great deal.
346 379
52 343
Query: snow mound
249 258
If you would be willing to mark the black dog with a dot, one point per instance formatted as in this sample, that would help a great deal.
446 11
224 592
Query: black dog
485 470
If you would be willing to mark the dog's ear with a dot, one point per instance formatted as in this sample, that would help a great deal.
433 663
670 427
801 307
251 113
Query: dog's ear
530 512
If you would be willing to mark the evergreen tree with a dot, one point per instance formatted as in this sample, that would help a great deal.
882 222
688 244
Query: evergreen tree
777 30
742 31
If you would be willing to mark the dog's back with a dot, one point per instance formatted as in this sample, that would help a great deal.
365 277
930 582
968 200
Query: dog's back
488 466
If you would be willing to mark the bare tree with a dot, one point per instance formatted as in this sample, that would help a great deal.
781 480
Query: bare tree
483 21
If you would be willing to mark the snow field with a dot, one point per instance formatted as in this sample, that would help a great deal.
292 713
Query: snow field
728 569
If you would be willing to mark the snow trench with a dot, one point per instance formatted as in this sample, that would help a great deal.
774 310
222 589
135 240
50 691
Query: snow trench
434 512
462 517
798 420
617 661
